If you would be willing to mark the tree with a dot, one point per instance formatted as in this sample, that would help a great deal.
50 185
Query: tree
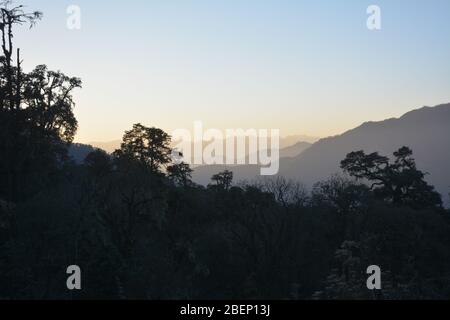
10 16
36 113
400 182
181 174
223 179
148 146
344 196
286 192
47 95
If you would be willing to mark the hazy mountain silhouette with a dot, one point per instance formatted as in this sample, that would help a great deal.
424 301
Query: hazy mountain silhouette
202 174
109 146
295 143
289 141
295 150
426 131
79 151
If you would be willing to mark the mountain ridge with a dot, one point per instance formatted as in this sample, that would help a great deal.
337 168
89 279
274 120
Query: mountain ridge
425 130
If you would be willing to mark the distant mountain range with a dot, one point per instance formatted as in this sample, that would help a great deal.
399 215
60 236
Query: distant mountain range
289 147
426 131
285 142
295 150
109 146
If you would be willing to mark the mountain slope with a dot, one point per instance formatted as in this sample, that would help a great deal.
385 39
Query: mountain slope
295 150
203 174
426 131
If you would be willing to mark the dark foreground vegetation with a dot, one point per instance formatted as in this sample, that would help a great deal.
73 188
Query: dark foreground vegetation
139 228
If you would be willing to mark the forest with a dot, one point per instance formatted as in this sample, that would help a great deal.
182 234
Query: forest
139 228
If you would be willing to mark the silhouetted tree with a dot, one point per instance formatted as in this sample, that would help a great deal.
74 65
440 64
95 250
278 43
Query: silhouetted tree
287 192
343 196
11 83
36 117
399 182
47 95
180 173
223 179
148 146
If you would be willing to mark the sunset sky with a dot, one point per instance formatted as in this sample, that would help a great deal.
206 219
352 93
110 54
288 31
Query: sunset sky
305 67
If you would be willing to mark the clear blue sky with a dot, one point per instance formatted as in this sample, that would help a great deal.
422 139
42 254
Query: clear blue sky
306 67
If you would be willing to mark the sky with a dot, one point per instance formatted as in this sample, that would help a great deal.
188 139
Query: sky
301 66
